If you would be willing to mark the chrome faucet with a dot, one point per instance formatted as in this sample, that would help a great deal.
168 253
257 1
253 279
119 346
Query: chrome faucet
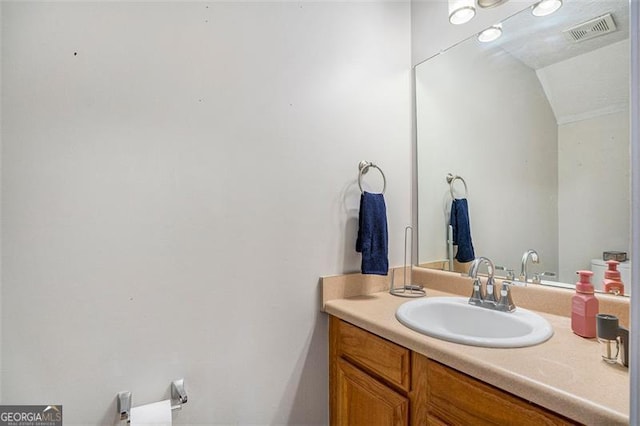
478 297
523 268
487 299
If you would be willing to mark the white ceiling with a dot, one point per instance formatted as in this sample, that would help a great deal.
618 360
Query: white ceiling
539 42
581 79
588 85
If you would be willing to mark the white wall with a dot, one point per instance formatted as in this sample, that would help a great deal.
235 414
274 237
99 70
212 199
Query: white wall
175 178
593 190
510 166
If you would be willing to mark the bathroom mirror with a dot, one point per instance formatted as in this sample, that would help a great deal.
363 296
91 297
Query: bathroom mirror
537 124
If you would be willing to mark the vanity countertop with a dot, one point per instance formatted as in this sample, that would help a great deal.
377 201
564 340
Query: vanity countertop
564 374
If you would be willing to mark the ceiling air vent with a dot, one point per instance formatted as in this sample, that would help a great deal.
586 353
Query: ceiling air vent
590 29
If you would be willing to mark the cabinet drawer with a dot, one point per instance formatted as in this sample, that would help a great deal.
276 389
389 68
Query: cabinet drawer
374 354
455 398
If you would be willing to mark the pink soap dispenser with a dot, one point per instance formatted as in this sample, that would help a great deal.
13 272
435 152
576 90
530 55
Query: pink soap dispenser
584 307
612 282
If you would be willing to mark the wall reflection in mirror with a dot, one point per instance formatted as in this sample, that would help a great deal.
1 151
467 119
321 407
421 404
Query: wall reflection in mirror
536 122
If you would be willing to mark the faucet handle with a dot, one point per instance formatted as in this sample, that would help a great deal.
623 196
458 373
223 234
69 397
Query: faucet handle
505 303
510 274
476 296
490 294
538 277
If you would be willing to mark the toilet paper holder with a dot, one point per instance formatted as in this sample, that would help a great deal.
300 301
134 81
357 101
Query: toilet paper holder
124 405
178 393
178 396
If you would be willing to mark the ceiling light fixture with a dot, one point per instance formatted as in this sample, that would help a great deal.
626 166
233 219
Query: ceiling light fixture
486 4
546 7
490 34
461 11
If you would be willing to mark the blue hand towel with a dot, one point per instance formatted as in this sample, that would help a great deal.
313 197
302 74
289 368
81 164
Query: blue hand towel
373 240
462 230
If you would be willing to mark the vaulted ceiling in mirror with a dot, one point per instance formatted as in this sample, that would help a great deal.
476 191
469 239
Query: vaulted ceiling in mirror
539 42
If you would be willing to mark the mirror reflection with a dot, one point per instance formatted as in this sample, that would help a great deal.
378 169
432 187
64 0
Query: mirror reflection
536 124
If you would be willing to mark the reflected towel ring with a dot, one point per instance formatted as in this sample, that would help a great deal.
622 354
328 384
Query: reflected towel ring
450 179
363 166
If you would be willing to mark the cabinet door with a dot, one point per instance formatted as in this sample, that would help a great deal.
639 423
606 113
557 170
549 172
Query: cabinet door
363 401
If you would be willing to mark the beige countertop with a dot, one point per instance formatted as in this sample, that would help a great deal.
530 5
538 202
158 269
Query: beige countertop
564 374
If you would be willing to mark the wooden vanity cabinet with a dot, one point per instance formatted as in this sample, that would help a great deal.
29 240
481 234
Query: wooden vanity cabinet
368 378
374 382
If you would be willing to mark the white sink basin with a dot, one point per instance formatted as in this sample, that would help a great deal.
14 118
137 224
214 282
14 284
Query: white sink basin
454 320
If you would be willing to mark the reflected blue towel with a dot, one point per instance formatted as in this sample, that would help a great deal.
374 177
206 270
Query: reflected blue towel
373 240
462 230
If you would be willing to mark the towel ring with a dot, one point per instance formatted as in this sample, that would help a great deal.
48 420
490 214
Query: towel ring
450 179
363 166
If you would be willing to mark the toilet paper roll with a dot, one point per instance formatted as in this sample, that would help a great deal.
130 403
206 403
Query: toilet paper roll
156 414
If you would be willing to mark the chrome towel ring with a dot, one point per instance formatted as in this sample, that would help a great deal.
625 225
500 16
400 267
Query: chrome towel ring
363 166
450 179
